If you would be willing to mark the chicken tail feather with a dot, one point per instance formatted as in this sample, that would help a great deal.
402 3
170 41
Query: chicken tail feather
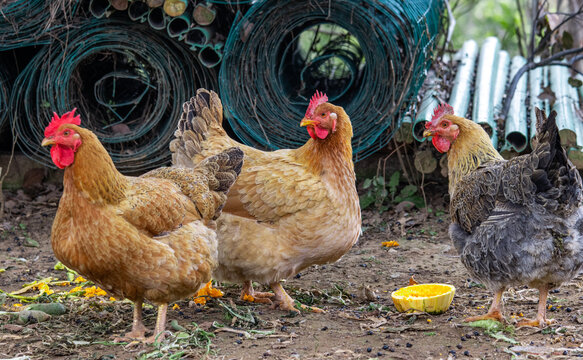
201 118
208 182
555 172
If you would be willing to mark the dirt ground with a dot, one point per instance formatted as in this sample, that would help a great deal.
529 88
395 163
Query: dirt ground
360 322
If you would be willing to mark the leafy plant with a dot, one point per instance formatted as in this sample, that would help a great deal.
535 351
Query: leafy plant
383 194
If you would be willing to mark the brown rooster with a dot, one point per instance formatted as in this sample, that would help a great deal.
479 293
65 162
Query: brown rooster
289 209
516 221
150 237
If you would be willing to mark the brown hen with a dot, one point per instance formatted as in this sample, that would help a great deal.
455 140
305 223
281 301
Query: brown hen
150 237
289 209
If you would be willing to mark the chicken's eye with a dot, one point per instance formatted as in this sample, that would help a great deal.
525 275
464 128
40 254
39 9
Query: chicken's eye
444 124
323 114
67 133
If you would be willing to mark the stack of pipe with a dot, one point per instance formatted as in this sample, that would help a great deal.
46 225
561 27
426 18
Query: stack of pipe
195 23
539 88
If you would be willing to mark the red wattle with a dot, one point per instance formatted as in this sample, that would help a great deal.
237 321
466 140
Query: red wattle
62 156
321 133
441 144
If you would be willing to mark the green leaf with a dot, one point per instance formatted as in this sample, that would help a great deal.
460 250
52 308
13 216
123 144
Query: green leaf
31 242
501 336
408 191
367 183
488 325
366 201
380 180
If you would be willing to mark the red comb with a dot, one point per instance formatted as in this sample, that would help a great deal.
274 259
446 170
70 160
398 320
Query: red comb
57 121
317 99
441 110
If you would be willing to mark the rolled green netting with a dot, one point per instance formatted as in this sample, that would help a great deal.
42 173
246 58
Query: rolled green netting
31 22
4 92
127 81
370 57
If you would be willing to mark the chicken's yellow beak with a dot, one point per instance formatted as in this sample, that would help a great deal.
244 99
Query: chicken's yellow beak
307 122
48 141
427 133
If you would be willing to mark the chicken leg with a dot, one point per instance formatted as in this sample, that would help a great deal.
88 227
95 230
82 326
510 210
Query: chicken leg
138 329
495 311
159 330
541 317
248 294
285 302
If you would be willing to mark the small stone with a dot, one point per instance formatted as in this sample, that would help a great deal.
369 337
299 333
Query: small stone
324 328
476 333
368 349
568 309
369 332
466 353
409 345
463 338
459 346
379 354
238 341
298 275
385 347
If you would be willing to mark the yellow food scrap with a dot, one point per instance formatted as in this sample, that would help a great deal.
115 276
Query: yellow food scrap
94 291
44 288
428 320
249 298
175 307
389 244
206 291
80 279
75 289
112 299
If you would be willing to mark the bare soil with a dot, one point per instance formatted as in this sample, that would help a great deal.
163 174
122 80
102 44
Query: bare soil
360 321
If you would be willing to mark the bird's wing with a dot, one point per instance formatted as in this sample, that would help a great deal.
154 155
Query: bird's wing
273 186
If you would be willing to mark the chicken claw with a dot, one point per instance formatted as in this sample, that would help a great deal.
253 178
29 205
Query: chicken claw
283 301
248 294
495 311
541 317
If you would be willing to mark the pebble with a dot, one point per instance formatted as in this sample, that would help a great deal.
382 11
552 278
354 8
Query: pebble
463 338
368 349
238 341
385 347
466 353
568 309
409 345
325 328
459 346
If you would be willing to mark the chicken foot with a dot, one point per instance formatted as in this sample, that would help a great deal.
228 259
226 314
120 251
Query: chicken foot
495 311
285 302
541 316
248 294
138 329
159 330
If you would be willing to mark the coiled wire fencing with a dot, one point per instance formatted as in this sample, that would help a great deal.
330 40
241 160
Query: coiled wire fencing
370 58
127 81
